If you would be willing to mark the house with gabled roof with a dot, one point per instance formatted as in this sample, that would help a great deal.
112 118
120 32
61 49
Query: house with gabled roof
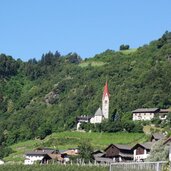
42 155
164 113
145 113
82 119
119 152
142 150
157 136
150 113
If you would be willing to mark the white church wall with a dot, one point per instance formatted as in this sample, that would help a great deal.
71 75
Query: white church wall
96 119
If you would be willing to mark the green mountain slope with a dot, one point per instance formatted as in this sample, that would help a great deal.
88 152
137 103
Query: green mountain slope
38 98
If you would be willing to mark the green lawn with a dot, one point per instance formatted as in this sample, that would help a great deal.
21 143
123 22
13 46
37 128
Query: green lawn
65 140
128 51
92 63
54 167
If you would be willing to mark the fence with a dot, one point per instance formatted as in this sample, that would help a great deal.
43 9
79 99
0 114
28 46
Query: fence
140 166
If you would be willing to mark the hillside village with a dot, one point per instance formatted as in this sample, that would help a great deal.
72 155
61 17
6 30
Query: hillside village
111 154
139 152
114 92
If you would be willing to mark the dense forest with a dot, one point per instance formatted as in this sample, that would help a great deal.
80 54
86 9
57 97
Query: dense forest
39 97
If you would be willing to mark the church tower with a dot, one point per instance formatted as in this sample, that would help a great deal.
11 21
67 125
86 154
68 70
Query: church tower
105 101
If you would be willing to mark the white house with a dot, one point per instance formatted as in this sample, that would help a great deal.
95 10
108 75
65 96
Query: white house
41 155
141 151
98 117
82 119
145 113
33 157
1 162
163 113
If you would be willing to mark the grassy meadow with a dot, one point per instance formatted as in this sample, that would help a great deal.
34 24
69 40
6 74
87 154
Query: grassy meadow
65 140
51 168
129 51
92 63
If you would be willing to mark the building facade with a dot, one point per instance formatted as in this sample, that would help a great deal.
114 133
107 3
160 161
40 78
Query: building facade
98 117
145 113
119 153
142 151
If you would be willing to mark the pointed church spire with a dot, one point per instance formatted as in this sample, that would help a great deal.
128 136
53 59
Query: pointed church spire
106 90
105 101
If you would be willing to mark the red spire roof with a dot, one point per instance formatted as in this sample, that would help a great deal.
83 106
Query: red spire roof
106 90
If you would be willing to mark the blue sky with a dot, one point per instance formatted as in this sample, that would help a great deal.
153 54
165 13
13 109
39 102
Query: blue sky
33 27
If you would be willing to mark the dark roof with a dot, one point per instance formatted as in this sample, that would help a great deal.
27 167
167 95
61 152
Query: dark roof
36 153
42 151
124 147
56 157
119 146
145 110
158 136
125 155
168 140
98 155
165 110
146 145
104 159
84 117
46 150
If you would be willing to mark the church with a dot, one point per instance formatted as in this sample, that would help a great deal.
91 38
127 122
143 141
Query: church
100 114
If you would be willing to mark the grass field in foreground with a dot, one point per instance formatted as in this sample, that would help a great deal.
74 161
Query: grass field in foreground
51 168
65 140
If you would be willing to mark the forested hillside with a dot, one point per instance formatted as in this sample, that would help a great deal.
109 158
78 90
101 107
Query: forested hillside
45 96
